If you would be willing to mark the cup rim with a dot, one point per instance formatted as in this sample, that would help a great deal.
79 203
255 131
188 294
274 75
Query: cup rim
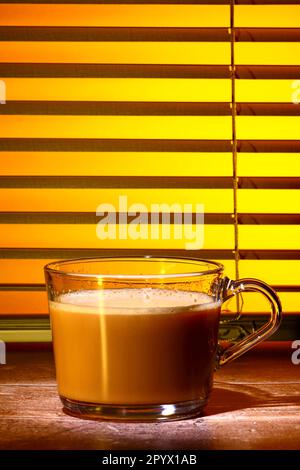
55 268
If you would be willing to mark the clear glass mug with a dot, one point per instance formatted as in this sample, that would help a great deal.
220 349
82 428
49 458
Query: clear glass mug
136 338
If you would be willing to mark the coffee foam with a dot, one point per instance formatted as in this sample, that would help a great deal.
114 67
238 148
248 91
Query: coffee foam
133 301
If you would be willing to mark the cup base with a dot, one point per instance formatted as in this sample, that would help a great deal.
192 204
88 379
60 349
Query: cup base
182 410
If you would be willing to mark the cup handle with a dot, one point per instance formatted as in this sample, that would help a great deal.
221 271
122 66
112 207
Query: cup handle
232 288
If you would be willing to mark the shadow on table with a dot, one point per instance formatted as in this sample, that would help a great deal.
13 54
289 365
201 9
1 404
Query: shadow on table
235 397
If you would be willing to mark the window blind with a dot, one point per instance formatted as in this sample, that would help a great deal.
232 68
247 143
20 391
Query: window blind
164 102
267 41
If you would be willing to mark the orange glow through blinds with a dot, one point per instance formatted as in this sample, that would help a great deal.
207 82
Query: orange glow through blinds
164 102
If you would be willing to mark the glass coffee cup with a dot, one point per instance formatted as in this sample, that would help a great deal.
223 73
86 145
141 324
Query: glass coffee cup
136 338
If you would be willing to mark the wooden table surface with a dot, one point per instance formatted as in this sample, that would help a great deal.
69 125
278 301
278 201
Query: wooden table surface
255 405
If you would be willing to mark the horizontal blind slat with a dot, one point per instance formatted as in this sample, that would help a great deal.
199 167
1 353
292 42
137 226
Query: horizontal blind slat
269 237
217 200
267 53
269 164
257 304
116 127
118 89
105 163
275 272
63 70
267 16
84 236
269 200
115 15
268 127
265 90
117 145
116 52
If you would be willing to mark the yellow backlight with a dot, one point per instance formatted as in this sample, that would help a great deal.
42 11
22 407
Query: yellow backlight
276 272
115 15
256 303
269 164
124 163
84 236
269 237
267 53
116 52
268 127
267 16
280 201
87 200
116 127
119 89
266 91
